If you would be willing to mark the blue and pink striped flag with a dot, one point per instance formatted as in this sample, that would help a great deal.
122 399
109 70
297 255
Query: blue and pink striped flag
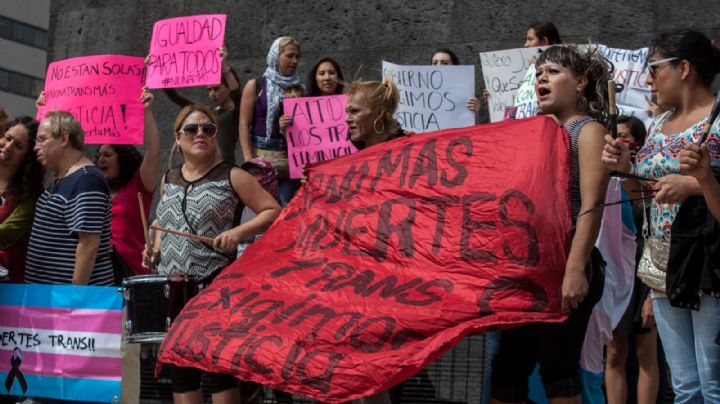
60 341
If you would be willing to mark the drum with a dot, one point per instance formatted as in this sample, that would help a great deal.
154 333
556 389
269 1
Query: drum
153 302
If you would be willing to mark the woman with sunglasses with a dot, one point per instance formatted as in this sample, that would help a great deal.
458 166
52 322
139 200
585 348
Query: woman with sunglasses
204 196
681 68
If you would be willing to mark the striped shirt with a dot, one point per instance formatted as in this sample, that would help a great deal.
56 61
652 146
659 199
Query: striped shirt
76 203
573 128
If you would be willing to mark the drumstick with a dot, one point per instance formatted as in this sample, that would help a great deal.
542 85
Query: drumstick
146 232
208 240
612 109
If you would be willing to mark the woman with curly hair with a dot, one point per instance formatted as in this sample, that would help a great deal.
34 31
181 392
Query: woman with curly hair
572 88
21 177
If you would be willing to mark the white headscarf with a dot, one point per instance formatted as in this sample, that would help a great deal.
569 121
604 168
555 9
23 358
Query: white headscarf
275 83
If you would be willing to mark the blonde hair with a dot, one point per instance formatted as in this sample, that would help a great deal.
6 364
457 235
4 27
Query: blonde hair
288 40
64 122
380 94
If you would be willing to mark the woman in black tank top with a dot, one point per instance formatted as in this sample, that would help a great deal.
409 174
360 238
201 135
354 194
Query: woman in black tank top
572 88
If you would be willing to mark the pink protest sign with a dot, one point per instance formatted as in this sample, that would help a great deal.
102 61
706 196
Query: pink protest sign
184 51
318 132
102 92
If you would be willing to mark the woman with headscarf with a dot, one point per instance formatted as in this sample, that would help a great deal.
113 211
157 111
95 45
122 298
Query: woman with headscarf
262 124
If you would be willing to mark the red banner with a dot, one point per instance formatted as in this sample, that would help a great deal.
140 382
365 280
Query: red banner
386 258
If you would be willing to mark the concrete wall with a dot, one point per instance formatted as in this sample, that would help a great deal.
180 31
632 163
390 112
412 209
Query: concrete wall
359 34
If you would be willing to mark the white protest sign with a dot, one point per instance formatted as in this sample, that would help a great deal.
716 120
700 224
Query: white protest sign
504 72
433 97
629 71
526 104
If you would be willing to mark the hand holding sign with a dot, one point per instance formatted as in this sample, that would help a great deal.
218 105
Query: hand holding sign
101 92
316 130
433 97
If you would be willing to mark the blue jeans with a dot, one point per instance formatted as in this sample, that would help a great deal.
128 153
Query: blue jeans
688 338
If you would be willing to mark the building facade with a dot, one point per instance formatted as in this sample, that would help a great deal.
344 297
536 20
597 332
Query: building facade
23 53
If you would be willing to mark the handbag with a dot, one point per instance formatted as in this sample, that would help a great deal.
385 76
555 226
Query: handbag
652 267
653 263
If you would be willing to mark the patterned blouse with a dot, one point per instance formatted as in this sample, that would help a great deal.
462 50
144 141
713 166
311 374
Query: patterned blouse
206 207
660 157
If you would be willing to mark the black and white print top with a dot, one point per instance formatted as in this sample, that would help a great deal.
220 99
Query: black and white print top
205 207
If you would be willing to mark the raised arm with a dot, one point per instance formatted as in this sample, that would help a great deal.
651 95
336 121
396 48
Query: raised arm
227 71
151 162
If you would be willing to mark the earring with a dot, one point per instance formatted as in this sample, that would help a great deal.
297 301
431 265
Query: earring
375 126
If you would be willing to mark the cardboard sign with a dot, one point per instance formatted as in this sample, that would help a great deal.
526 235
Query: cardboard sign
387 258
184 51
433 97
504 72
60 341
319 131
102 92
629 71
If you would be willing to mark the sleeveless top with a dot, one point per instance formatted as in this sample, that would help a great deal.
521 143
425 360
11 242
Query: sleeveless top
206 207
259 122
573 128
660 157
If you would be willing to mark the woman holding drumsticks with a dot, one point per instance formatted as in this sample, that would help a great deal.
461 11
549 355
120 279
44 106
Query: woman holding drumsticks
204 197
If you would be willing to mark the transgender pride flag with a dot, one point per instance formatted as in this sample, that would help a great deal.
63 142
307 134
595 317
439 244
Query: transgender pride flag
60 341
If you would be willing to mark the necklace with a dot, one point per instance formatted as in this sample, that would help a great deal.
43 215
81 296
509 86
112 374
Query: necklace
67 170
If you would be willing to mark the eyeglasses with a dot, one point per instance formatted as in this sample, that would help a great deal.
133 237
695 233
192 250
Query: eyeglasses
654 66
191 129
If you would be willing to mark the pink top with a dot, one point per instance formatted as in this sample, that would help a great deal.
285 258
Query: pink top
127 231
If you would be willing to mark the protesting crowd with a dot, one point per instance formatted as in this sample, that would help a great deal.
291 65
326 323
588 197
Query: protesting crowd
74 215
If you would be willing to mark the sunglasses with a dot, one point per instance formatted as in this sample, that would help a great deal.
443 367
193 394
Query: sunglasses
655 65
191 129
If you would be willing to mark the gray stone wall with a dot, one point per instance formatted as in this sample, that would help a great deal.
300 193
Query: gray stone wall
360 34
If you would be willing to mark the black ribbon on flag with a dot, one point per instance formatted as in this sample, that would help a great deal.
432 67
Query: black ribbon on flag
15 373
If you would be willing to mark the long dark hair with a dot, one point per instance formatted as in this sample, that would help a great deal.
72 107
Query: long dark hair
28 179
545 29
129 160
313 89
693 46
594 66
